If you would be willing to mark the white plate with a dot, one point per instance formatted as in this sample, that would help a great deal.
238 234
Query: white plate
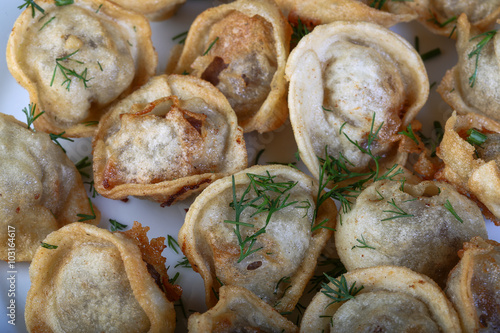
279 147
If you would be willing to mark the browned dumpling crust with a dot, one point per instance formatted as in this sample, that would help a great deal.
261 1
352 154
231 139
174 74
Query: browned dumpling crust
387 299
348 79
420 227
316 12
227 240
88 54
468 88
472 168
40 189
241 48
94 281
166 141
154 10
239 310
474 286
440 16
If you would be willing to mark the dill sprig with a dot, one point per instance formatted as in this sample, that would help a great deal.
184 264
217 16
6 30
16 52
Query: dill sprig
174 279
90 123
363 244
334 268
210 46
257 157
184 262
115 225
66 72
433 143
172 243
299 31
45 24
64 2
399 212
181 38
92 189
55 137
30 114
82 164
448 206
477 51
49 246
341 291
86 217
283 280
434 20
34 6
409 133
262 186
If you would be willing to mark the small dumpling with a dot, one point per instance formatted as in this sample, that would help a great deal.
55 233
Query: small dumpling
40 189
77 59
154 10
166 141
351 82
316 12
259 229
380 299
472 164
440 16
420 227
474 286
239 310
241 48
473 85
88 279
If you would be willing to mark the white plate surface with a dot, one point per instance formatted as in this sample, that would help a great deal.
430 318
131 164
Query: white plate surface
279 147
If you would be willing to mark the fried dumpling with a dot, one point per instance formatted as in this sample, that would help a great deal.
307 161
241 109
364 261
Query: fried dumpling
88 279
40 188
76 59
474 286
241 48
471 164
348 82
421 227
472 86
380 299
316 12
259 229
166 141
239 310
440 16
154 10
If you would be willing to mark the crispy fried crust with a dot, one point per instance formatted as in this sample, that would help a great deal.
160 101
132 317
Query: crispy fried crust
340 60
246 61
40 188
166 141
154 10
114 52
289 247
391 279
94 281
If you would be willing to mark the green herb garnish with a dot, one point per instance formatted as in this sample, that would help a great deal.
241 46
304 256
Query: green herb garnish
363 244
82 164
115 225
341 292
90 123
409 133
49 246
475 137
448 206
184 262
33 5
299 31
64 2
45 24
477 51
55 137
85 217
92 188
284 280
172 243
66 72
30 114
399 212
210 46
181 38
258 156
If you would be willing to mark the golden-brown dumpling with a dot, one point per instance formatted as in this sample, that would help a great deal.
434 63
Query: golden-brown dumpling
420 227
440 16
387 299
154 10
226 238
237 310
167 140
471 168
344 74
474 286
77 59
315 12
469 88
96 281
40 188
241 48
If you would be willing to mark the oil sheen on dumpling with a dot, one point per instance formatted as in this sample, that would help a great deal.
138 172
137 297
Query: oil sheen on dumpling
276 264
421 227
86 58
40 188
381 299
241 48
474 284
469 88
344 74
173 136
